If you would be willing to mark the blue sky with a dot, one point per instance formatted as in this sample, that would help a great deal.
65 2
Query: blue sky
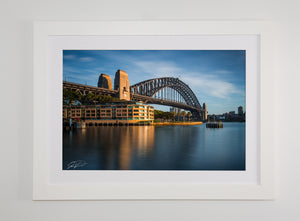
217 77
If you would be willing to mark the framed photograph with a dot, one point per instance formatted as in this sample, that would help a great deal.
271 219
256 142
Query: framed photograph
153 110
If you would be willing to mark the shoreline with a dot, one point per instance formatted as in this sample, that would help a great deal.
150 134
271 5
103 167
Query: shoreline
176 123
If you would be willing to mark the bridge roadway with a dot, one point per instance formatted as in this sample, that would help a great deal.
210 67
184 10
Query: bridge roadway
84 89
152 100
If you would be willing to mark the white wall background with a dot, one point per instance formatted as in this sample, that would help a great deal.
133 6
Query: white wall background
16 22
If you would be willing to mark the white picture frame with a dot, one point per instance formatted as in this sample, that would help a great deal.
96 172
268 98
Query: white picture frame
43 189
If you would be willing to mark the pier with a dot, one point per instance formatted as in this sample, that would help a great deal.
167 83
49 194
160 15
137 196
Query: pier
90 123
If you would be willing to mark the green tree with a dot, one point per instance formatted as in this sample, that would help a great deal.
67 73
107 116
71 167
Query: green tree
174 114
88 99
178 116
170 116
189 115
183 113
70 96
158 114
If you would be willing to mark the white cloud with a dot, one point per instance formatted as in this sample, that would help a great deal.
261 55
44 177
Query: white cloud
211 85
158 69
86 59
222 72
84 74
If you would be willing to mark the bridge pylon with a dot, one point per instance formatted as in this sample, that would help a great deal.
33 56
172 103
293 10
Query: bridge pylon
121 84
104 81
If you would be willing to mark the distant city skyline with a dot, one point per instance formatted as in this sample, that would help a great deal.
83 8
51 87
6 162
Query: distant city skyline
217 77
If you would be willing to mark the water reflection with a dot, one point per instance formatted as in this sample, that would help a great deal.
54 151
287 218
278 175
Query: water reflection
157 147
133 140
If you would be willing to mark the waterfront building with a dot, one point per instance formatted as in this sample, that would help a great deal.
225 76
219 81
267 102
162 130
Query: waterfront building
104 81
127 112
240 110
205 111
175 110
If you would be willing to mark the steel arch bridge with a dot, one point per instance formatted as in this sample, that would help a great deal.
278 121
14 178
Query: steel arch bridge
173 92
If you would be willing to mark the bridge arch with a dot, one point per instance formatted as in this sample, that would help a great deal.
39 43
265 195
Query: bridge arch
152 86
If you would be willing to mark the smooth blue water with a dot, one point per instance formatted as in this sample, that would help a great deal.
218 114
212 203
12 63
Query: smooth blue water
155 148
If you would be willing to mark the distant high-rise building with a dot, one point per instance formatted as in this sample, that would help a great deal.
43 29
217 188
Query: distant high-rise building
240 110
175 110
105 81
121 84
205 111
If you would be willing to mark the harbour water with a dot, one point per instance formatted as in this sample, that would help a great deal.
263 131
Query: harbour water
192 147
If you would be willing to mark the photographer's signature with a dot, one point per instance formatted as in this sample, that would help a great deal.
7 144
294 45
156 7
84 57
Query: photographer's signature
76 164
